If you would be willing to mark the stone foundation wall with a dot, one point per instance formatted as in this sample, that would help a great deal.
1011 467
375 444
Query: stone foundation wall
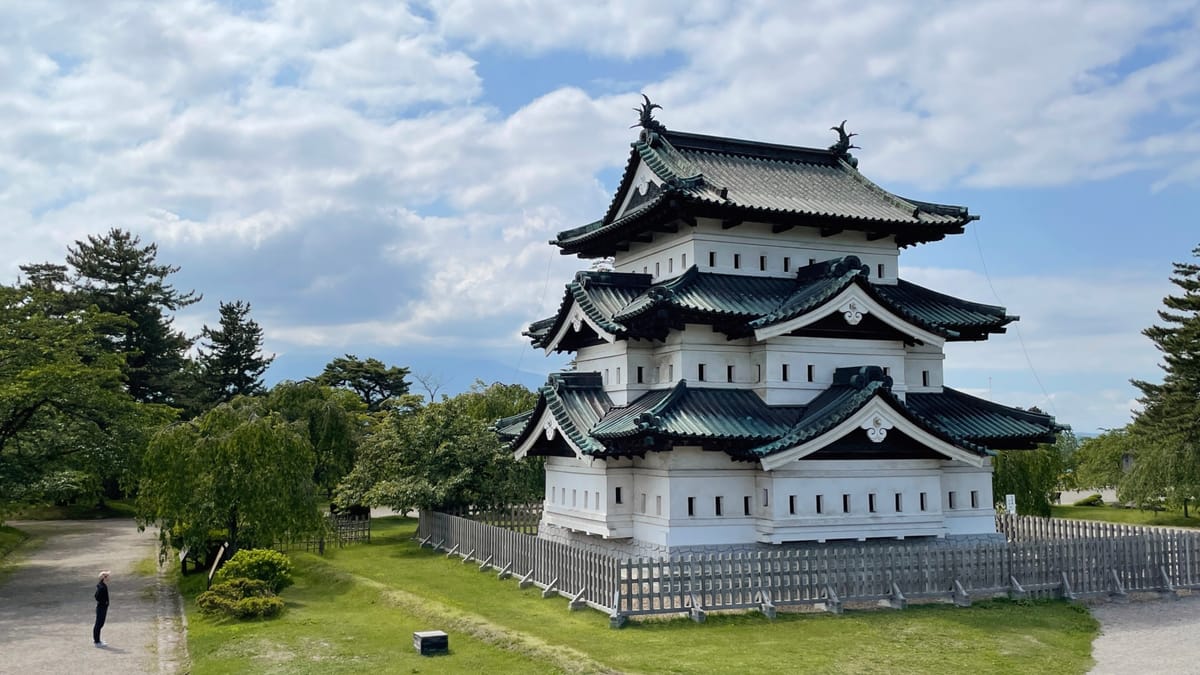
632 548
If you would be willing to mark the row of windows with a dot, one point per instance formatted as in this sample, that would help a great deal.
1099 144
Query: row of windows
820 504
880 268
703 373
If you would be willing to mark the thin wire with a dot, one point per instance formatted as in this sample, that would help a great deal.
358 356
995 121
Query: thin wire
1020 340
541 303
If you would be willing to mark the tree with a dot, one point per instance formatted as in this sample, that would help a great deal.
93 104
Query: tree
444 457
1165 435
66 421
329 418
1100 461
374 382
120 276
238 468
1033 476
230 357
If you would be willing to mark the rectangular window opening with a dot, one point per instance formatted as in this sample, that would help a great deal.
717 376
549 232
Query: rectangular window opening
758 372
618 375
820 503
574 498
671 372
766 495
729 373
691 506
617 495
784 372
880 269
812 261
792 504
952 499
670 265
642 504
812 372
762 263
683 261
700 372
899 503
787 264
658 505
717 506
924 501
641 375
924 378
871 502
974 499
746 505
887 371
656 269
585 499
737 261
597 501
712 258
845 503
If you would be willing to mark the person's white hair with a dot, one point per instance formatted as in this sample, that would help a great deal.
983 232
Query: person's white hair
104 574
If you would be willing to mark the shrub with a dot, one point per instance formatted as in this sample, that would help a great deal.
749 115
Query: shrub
1090 500
262 564
241 598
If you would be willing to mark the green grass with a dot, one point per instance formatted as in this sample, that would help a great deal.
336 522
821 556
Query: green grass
10 539
355 609
113 508
1131 516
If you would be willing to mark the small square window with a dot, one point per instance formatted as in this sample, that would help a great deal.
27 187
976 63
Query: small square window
812 261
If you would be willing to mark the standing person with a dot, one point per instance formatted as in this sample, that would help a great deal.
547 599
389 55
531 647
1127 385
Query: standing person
101 608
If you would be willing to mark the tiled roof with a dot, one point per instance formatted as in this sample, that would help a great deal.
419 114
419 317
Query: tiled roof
627 304
689 412
740 423
992 424
729 178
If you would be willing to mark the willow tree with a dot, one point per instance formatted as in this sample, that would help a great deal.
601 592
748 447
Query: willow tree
239 468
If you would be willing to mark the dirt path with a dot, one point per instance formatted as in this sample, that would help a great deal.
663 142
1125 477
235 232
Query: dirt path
46 605
1149 636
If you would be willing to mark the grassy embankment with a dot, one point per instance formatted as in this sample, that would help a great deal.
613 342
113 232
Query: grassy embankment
355 610
113 508
1129 516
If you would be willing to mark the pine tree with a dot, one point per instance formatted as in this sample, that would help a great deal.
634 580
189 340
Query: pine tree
1166 433
230 357
120 276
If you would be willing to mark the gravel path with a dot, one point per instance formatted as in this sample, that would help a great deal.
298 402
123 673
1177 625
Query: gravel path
47 610
1149 636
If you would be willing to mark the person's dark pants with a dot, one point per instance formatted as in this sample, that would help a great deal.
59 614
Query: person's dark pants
101 615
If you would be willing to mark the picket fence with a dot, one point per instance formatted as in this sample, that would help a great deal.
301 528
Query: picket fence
339 531
1041 557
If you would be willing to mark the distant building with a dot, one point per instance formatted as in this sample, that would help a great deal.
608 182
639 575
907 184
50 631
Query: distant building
753 370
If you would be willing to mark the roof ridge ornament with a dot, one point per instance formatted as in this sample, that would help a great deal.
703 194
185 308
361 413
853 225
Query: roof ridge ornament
646 120
842 148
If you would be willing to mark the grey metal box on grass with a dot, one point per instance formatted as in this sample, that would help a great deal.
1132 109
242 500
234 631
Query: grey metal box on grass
431 642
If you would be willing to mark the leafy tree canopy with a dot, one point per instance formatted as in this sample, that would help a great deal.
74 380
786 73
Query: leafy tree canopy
1033 476
331 419
66 420
373 381
443 456
239 468
120 276
230 356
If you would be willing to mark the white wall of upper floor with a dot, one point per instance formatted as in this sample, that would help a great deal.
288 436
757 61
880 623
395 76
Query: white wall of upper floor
752 249
783 370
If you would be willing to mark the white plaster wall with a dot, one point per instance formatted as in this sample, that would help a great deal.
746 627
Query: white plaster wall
918 360
964 518
825 356
580 495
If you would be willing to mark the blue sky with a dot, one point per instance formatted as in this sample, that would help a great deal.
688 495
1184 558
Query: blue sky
381 179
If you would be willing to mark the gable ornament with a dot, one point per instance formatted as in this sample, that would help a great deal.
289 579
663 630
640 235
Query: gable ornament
877 428
852 311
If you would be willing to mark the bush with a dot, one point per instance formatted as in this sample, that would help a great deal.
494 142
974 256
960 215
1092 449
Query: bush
262 564
1090 500
241 598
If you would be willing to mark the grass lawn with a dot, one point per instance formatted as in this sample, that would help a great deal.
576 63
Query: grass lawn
1129 516
10 538
355 609
114 508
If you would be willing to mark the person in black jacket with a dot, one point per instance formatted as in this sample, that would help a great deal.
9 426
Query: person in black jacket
101 608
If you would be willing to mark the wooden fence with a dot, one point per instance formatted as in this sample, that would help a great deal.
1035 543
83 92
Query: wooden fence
1072 559
339 531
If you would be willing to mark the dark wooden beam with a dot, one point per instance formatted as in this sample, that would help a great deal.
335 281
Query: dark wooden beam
671 226
780 227
876 236
622 246
830 231
730 224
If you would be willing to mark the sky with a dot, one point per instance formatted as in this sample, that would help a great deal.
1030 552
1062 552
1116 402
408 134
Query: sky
382 179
